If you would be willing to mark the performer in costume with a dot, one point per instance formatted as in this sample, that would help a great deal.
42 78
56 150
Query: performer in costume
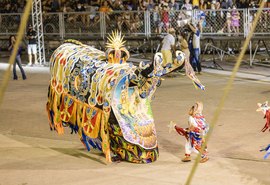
194 134
263 107
106 100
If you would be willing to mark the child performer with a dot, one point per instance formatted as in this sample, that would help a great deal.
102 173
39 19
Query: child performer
195 133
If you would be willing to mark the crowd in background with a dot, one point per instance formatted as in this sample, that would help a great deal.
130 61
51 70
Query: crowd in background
219 15
16 6
12 6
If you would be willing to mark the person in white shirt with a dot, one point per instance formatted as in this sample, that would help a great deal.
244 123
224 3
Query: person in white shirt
188 7
168 44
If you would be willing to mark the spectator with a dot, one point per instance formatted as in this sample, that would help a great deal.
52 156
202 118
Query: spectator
129 6
168 45
106 10
151 5
226 4
91 18
32 45
55 6
71 18
96 2
165 3
182 19
126 18
195 3
188 7
80 8
235 20
201 17
251 17
46 7
8 8
202 5
143 4
118 5
228 23
18 61
157 19
242 4
20 8
136 24
174 5
180 3
212 18
165 17
119 22
252 4
135 4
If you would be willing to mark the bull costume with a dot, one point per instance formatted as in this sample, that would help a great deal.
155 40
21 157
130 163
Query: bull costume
107 100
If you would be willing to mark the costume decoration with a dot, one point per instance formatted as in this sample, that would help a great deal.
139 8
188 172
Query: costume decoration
105 99
263 107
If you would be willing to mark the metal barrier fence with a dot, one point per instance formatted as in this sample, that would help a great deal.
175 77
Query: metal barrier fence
223 22
9 23
231 22
263 26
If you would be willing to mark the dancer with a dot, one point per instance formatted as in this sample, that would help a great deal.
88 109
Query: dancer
194 134
18 61
263 107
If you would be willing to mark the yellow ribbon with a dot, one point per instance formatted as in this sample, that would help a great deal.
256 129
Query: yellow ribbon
11 61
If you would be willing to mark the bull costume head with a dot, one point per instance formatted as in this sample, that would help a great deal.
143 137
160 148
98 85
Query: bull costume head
105 99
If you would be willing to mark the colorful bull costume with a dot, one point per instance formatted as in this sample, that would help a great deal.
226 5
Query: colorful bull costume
106 100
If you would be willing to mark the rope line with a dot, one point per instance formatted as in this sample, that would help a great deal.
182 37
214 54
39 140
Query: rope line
19 37
225 94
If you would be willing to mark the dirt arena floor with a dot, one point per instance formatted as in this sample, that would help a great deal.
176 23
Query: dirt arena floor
31 154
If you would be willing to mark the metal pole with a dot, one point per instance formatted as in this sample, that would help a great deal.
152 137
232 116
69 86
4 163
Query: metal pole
250 53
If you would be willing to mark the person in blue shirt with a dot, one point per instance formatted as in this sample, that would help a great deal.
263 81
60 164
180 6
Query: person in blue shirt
195 46
18 61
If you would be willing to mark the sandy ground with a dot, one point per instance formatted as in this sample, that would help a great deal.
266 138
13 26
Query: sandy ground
31 154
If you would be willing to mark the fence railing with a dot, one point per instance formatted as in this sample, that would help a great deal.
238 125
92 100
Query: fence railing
231 22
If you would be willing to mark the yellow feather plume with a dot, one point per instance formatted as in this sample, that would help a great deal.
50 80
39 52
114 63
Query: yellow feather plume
115 40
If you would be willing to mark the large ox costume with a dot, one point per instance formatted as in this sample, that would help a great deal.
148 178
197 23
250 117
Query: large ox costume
106 100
